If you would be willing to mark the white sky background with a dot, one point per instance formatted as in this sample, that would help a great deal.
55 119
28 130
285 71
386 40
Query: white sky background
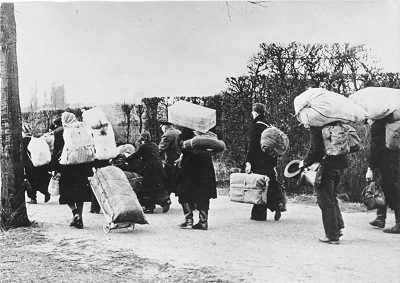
108 52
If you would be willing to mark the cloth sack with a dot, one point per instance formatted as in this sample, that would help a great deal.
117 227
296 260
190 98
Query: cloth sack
393 135
378 102
204 144
318 107
248 188
49 138
39 151
274 141
78 144
373 196
116 197
104 143
94 118
54 185
340 139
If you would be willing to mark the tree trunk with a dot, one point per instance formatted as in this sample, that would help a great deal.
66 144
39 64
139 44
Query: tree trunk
12 206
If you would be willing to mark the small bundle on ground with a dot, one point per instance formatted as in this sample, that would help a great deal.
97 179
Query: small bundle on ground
192 116
318 107
248 188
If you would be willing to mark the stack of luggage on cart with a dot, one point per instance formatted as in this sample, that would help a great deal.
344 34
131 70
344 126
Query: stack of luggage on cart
114 192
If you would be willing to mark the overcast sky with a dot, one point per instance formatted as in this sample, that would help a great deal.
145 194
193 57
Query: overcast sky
120 51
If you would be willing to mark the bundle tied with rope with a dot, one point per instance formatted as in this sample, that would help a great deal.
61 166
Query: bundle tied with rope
318 107
274 142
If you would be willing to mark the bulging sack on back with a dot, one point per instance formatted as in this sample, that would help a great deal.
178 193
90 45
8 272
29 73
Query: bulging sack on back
94 117
39 151
318 107
104 143
274 142
49 138
340 139
393 135
78 144
378 102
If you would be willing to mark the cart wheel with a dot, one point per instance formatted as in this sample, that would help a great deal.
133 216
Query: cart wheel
106 228
131 227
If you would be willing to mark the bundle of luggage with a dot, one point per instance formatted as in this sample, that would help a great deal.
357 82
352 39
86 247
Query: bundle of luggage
318 107
192 116
117 198
39 151
204 144
380 102
103 133
322 108
274 142
248 188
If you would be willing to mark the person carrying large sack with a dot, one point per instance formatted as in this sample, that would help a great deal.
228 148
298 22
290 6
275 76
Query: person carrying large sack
74 184
384 167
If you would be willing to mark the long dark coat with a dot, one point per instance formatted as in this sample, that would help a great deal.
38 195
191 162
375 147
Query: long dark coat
264 164
195 177
38 177
74 183
153 171
387 160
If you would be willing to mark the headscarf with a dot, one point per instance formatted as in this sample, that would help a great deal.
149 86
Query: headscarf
68 118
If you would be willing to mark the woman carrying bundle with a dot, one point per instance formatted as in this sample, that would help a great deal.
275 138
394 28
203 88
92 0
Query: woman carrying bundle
74 185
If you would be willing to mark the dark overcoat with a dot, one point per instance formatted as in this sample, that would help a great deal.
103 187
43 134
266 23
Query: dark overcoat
195 177
153 171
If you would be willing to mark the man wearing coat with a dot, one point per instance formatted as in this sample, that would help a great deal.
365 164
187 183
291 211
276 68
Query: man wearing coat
169 152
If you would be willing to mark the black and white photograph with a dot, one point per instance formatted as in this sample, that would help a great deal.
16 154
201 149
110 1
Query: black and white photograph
200 141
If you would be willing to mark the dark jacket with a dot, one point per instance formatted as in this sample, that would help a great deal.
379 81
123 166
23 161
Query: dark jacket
74 183
317 152
387 160
169 149
261 163
195 177
153 171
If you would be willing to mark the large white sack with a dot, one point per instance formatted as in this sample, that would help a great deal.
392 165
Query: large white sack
104 143
318 107
39 151
94 117
378 102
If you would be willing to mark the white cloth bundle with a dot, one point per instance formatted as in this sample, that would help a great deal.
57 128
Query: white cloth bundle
378 102
318 107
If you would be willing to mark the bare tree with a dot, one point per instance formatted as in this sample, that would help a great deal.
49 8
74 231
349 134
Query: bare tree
58 98
12 207
34 102
127 111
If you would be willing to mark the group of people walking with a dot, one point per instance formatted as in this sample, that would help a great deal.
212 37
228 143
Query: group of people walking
170 168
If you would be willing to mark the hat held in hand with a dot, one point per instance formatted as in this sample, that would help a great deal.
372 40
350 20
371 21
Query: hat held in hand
292 169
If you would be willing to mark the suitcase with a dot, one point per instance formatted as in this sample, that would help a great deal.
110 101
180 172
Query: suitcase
192 116
248 188
117 199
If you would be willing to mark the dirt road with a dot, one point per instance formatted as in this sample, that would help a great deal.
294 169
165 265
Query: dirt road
234 249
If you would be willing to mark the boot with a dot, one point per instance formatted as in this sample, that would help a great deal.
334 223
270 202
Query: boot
187 211
203 220
75 217
396 228
379 221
